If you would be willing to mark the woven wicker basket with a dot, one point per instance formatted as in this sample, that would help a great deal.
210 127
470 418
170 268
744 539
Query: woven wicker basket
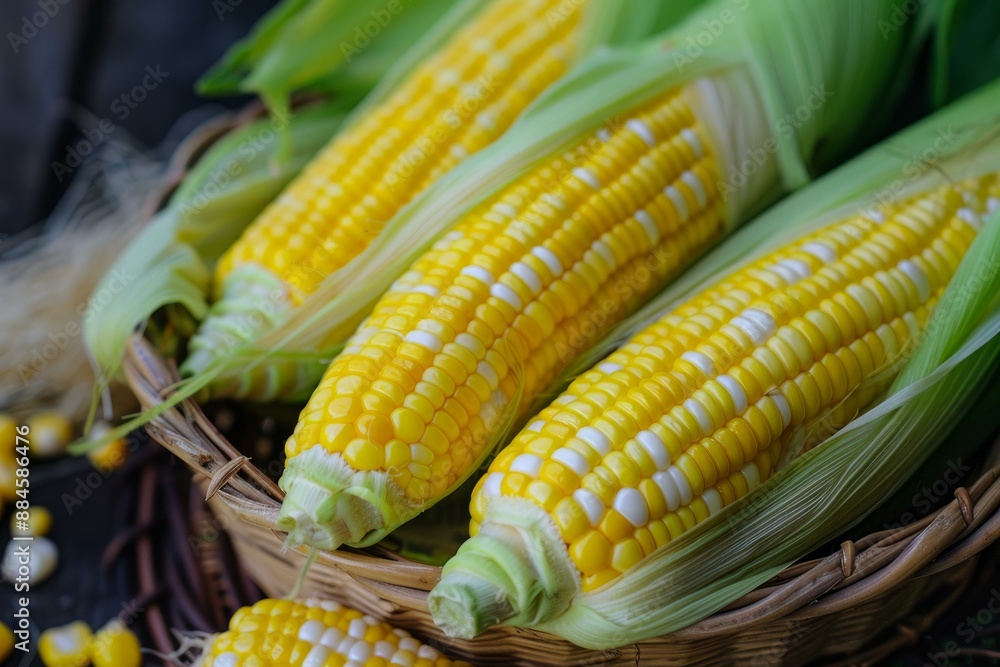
826 608
850 608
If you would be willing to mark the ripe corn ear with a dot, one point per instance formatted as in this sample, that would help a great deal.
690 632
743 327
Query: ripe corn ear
705 404
453 105
493 312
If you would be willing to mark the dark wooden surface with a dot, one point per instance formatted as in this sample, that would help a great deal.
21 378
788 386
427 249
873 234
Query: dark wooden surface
87 510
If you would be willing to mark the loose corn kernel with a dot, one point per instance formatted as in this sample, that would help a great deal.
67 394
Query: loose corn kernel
110 456
65 646
8 440
6 642
37 523
49 433
42 560
115 645
8 482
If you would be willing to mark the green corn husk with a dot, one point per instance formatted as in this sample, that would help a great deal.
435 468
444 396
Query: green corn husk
824 491
171 258
322 46
346 47
967 48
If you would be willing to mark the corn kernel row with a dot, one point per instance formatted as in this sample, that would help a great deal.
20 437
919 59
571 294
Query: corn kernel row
454 104
315 634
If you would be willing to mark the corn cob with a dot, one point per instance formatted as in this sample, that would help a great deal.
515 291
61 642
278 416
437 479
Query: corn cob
315 634
457 102
703 405
456 349
332 211
498 307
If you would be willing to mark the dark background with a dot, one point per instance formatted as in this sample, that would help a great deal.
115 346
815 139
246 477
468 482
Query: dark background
68 77
73 72
64 84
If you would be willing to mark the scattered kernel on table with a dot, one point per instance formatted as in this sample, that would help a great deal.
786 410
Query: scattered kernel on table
111 455
49 434
42 560
6 642
8 439
8 482
38 523
316 632
65 646
115 645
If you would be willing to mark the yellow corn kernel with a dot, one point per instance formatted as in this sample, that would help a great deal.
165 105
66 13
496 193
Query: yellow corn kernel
6 642
591 553
111 455
8 482
49 434
65 646
8 440
333 210
37 523
115 645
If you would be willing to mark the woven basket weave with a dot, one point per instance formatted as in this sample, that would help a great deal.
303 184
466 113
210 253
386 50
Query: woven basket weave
832 607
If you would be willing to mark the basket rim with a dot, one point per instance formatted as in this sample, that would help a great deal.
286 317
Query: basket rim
860 571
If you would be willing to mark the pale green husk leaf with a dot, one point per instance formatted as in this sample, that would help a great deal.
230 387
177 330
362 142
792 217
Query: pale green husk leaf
338 47
171 258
